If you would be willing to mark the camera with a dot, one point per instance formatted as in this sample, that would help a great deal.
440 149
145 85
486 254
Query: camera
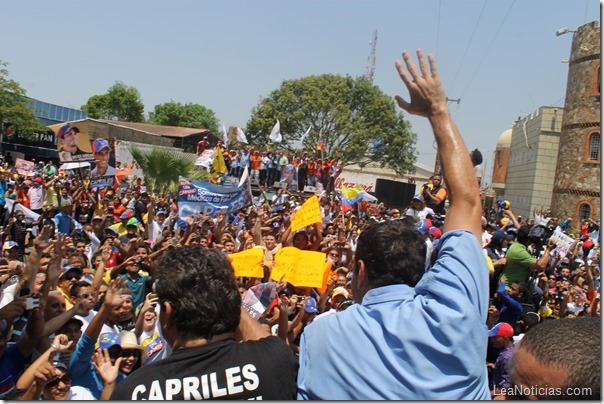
139 260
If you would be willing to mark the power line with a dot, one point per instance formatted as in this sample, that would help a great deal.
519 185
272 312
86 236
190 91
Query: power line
438 28
469 43
488 48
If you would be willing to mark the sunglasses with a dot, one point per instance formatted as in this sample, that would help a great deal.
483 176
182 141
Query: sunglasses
71 277
85 295
127 353
65 379
20 215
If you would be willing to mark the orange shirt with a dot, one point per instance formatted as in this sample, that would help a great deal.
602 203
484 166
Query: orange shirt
255 160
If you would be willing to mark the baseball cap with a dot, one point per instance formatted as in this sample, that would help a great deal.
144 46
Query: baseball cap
132 222
71 268
125 215
108 339
97 217
501 235
65 128
421 227
310 305
9 244
436 232
501 330
160 212
110 230
419 197
340 291
504 221
99 144
39 180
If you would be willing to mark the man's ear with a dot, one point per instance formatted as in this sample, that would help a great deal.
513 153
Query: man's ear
362 281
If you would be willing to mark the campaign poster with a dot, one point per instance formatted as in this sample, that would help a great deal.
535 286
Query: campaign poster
102 169
203 197
24 167
73 143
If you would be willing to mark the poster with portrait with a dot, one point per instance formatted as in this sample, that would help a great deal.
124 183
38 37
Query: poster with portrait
73 144
102 169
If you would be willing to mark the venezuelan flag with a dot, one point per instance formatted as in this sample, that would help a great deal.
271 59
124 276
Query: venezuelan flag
320 145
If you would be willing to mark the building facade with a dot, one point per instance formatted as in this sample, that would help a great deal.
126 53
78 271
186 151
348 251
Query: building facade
532 160
576 192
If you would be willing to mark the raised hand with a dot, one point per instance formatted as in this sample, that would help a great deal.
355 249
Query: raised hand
114 296
426 92
42 241
61 343
102 364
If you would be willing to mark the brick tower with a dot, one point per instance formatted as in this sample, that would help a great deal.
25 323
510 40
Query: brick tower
576 192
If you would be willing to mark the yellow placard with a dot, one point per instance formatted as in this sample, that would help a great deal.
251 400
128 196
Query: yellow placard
309 213
300 268
248 262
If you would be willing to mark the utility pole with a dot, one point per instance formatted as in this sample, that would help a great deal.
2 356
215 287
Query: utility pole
371 58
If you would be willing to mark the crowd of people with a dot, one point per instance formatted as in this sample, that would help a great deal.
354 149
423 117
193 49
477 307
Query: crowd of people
108 294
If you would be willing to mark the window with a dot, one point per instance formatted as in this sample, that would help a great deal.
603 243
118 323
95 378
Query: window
584 212
594 147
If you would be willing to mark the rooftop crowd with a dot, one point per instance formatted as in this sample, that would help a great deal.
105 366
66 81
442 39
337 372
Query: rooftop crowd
107 293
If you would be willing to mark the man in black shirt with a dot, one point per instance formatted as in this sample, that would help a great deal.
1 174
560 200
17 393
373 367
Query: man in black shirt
203 321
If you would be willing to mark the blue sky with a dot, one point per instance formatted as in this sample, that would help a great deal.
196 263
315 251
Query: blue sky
502 58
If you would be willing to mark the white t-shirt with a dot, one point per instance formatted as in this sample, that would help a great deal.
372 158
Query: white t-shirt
478 171
421 214
80 393
36 197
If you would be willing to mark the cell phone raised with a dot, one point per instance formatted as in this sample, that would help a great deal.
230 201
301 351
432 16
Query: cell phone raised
32 303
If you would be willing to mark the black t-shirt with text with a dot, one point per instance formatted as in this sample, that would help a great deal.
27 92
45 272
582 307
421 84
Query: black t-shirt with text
263 370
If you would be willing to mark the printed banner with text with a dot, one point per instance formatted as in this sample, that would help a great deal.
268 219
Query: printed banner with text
195 197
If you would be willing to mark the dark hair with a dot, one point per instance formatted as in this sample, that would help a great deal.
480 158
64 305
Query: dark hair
522 288
476 157
549 343
75 288
393 253
200 285
523 234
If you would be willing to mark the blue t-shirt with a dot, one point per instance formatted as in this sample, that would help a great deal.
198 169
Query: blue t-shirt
403 343
3 189
12 365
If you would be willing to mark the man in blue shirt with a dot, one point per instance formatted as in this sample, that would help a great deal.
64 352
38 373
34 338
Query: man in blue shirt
414 335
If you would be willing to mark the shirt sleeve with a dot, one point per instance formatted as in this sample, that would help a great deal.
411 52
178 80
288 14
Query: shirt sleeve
79 364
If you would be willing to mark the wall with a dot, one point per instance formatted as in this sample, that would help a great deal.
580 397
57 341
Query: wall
532 161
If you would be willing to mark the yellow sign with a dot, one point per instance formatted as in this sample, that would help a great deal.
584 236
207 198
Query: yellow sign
248 262
309 213
300 268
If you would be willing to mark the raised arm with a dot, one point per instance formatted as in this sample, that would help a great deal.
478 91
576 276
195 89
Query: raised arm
428 99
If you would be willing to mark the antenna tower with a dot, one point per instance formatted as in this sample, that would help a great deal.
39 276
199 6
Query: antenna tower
371 58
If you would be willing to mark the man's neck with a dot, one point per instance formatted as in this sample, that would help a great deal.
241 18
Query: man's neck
181 343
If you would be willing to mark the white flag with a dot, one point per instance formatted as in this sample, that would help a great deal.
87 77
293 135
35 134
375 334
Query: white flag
225 136
241 136
275 135
305 133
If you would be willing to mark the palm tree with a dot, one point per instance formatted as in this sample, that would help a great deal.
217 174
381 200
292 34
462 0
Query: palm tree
161 168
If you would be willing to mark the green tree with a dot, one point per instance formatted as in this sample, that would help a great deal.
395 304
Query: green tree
15 108
121 102
357 121
162 168
187 115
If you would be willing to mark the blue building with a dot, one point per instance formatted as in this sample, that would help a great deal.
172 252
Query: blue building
40 145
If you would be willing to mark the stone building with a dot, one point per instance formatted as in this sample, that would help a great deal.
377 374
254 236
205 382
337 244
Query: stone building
532 160
576 192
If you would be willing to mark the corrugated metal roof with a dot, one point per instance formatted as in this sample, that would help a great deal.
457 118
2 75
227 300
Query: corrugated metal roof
157 130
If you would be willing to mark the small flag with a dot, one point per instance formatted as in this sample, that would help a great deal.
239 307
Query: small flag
275 135
218 165
305 133
241 136
320 145
225 136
